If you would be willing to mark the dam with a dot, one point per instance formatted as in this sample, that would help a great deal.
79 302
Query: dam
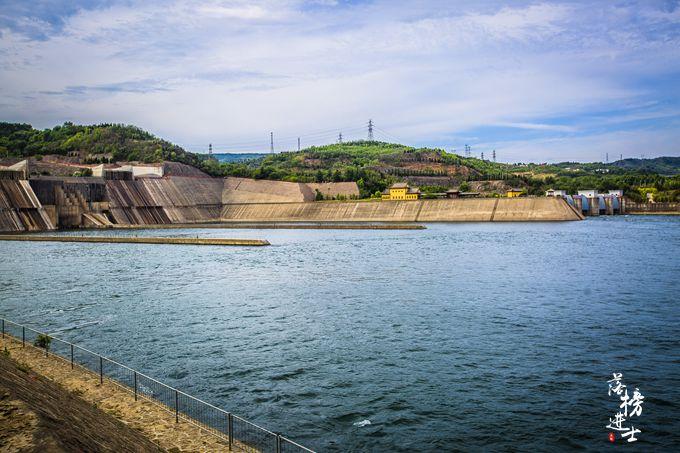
48 203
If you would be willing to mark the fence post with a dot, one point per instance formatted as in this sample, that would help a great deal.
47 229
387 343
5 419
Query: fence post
278 443
135 375
3 328
230 429
71 356
101 370
47 348
176 406
23 336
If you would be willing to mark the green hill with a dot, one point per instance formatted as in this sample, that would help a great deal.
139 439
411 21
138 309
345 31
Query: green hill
118 142
661 165
236 157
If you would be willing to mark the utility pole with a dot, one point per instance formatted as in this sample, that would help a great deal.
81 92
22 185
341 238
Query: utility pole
494 155
271 142
370 130
340 137
298 144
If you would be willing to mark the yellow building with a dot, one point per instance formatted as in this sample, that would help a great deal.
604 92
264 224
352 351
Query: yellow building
514 192
401 191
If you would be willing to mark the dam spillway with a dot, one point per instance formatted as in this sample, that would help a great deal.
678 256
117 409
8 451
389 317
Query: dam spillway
43 204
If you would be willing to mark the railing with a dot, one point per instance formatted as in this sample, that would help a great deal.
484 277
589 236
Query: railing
238 433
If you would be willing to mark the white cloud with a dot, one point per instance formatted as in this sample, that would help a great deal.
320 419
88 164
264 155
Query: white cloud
228 71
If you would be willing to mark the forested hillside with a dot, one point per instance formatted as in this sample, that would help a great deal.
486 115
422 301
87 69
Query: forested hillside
115 142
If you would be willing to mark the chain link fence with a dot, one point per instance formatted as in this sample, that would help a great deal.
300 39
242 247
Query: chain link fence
240 434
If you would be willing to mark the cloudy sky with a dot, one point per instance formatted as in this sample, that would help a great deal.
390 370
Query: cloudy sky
537 81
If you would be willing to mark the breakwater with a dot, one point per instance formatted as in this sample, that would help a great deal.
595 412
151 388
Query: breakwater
137 240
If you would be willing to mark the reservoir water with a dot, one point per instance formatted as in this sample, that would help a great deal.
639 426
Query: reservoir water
474 337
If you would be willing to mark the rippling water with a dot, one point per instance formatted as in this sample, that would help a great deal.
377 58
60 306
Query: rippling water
458 337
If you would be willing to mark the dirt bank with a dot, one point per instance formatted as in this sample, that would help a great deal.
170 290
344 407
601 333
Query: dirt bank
38 415
141 417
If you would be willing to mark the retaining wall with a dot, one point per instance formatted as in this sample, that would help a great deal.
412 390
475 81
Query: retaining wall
453 210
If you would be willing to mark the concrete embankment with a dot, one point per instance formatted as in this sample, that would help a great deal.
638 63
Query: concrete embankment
450 210
137 240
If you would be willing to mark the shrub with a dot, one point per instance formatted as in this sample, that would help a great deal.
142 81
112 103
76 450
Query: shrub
43 341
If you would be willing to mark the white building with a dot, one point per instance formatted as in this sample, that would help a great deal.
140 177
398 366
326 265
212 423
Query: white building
588 193
137 170
556 193
616 193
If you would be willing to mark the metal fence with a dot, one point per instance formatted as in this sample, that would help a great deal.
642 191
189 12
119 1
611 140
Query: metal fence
238 433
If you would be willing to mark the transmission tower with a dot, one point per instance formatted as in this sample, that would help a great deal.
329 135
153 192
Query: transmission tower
606 157
494 155
298 143
271 142
482 155
340 137
210 148
370 130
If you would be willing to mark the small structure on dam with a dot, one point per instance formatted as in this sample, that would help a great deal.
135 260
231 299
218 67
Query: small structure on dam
401 191
592 203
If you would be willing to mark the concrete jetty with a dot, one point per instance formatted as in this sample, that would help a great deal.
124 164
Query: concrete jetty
136 240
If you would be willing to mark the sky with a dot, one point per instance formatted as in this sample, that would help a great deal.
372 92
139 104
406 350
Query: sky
535 81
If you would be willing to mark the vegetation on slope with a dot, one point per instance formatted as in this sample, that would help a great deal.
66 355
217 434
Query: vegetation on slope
100 142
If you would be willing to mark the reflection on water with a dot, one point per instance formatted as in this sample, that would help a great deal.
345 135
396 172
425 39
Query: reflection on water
461 336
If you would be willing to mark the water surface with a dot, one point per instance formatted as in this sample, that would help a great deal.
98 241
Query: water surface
459 337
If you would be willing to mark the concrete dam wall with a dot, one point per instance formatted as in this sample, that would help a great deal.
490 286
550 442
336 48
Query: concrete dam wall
46 203
20 209
449 210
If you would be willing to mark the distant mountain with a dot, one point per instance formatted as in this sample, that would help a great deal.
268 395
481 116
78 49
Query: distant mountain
237 157
662 165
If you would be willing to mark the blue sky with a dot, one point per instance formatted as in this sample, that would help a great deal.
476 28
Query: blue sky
537 81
